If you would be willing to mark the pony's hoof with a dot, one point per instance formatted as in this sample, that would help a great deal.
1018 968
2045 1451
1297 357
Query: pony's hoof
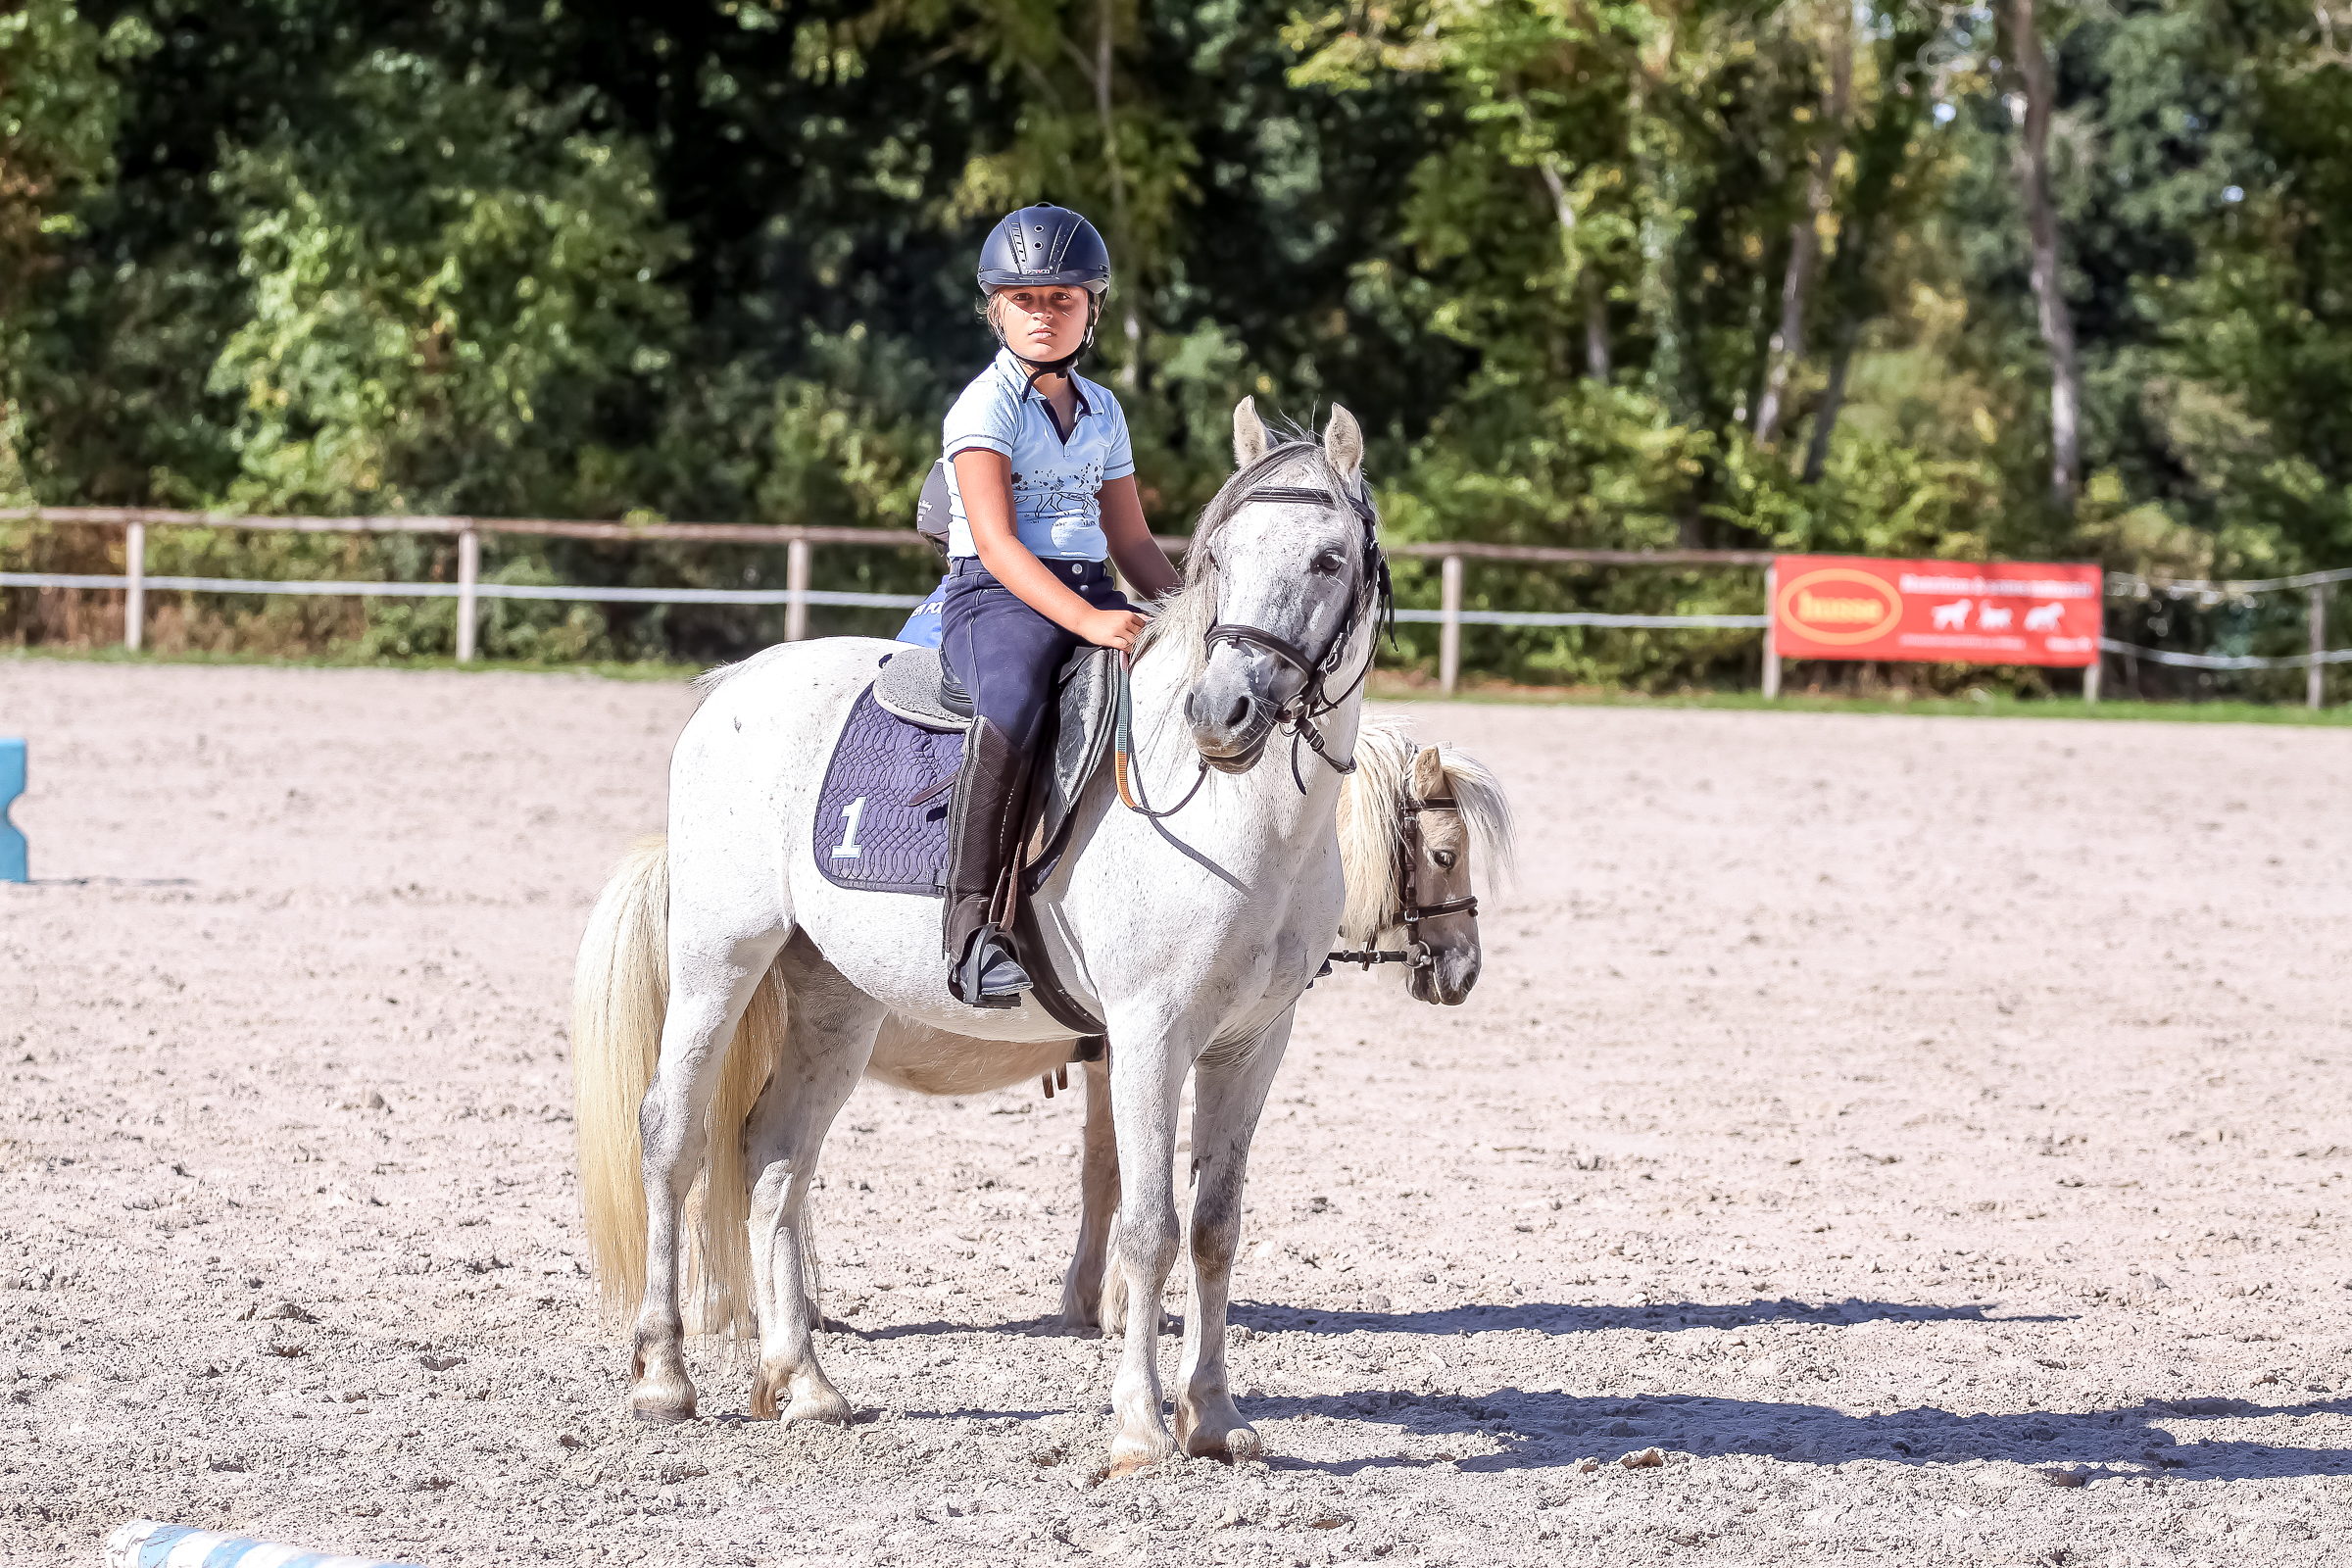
824 1405
660 1389
1129 1455
1237 1446
662 1406
660 1393
818 1401
1222 1435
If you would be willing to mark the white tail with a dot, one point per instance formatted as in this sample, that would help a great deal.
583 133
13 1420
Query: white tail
619 993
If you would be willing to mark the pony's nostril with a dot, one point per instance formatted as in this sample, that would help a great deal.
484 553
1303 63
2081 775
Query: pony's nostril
1238 713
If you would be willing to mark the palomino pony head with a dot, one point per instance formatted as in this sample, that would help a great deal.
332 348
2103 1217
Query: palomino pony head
1380 855
1280 585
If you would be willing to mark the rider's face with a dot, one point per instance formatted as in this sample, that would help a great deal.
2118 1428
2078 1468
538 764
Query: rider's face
1042 324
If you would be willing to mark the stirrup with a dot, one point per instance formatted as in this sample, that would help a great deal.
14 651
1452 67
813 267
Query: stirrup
989 976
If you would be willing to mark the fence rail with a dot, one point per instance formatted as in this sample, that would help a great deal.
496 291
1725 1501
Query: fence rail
797 596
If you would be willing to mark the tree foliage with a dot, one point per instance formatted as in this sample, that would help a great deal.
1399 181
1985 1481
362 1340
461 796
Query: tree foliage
1622 272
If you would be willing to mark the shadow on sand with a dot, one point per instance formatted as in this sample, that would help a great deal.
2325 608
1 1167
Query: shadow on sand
1544 1317
1539 1431
1536 1431
1554 1317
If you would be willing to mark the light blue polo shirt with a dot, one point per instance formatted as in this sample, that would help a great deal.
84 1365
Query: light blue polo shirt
1054 510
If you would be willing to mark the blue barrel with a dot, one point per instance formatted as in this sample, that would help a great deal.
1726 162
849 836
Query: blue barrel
15 860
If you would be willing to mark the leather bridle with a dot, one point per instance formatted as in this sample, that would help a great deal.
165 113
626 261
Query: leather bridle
1415 952
1313 700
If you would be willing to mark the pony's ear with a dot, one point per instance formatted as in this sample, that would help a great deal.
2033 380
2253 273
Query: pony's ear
1428 774
1250 438
1344 444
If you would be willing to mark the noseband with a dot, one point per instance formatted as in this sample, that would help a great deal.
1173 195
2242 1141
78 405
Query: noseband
1415 952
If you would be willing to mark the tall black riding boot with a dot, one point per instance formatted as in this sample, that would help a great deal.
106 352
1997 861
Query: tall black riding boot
984 828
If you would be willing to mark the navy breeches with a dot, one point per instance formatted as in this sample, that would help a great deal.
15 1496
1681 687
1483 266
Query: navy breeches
1005 653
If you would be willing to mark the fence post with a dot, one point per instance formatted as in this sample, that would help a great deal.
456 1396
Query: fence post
2316 680
1772 646
2090 680
795 580
1449 629
134 599
469 573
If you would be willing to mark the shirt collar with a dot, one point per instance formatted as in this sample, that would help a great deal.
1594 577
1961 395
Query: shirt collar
1010 366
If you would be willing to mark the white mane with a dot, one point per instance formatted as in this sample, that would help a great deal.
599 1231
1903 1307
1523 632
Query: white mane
1368 823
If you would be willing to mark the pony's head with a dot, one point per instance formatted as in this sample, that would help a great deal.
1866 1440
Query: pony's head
1457 815
1280 586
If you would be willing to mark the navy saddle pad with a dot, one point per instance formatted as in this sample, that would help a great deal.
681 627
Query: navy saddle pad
882 818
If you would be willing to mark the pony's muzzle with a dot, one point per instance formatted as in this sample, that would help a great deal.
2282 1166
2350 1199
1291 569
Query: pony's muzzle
1232 711
1446 978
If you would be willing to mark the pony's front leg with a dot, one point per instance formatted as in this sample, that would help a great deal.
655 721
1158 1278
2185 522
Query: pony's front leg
1228 1092
1144 1084
1083 1305
828 1037
708 992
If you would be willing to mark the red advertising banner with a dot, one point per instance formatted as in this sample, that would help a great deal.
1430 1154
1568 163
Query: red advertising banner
1935 612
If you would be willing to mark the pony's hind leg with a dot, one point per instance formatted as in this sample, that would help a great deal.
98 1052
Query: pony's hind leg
1084 1308
712 982
828 1036
1227 1096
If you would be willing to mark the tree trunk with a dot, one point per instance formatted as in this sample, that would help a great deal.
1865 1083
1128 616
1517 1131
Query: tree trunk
1597 325
1825 414
1804 235
1587 280
1133 323
2041 221
1657 162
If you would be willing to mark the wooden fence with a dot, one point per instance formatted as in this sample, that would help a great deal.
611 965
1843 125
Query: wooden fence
798 544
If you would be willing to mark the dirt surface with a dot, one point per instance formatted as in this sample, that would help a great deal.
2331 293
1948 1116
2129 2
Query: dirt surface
1927 1135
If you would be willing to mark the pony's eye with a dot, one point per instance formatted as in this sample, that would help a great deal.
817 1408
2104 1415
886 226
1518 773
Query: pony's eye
1443 858
1330 563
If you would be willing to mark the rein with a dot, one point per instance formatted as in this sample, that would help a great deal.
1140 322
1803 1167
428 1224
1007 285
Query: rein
1415 952
1314 699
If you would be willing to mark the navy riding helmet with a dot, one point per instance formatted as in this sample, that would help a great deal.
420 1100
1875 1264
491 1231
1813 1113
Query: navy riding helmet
1043 245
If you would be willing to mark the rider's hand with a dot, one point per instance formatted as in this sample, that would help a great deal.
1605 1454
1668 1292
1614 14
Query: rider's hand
1111 628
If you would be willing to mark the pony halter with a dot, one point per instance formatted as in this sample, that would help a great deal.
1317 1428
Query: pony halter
1415 952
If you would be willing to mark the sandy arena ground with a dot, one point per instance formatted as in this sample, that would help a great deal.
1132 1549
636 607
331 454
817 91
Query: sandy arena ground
1929 1133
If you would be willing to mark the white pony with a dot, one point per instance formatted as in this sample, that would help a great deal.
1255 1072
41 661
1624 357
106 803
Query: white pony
1460 819
1192 936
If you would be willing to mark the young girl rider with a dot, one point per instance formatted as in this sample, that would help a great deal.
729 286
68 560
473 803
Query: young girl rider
1041 485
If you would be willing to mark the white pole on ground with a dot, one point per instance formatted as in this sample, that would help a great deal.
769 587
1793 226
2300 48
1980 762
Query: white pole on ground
2315 680
796 581
2090 680
134 601
469 574
1772 646
152 1544
1450 630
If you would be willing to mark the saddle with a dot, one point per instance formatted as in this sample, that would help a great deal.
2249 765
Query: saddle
881 822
